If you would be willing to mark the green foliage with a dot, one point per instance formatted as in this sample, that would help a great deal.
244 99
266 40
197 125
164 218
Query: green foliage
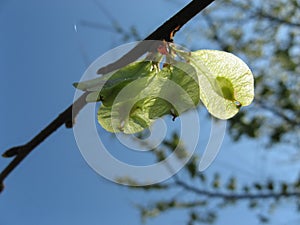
107 87
147 98
134 96
226 82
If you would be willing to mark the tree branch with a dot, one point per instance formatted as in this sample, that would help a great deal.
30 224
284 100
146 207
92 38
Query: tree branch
164 32
227 196
276 19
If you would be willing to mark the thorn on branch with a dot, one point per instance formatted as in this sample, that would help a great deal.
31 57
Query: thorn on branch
13 151
1 187
69 123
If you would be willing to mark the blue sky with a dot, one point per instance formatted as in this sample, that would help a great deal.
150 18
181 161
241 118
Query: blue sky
41 55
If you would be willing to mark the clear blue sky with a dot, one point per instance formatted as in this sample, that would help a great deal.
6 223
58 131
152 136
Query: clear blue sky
40 57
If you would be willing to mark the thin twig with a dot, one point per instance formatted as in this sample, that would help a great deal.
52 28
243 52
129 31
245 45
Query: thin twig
227 196
276 112
164 32
276 19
